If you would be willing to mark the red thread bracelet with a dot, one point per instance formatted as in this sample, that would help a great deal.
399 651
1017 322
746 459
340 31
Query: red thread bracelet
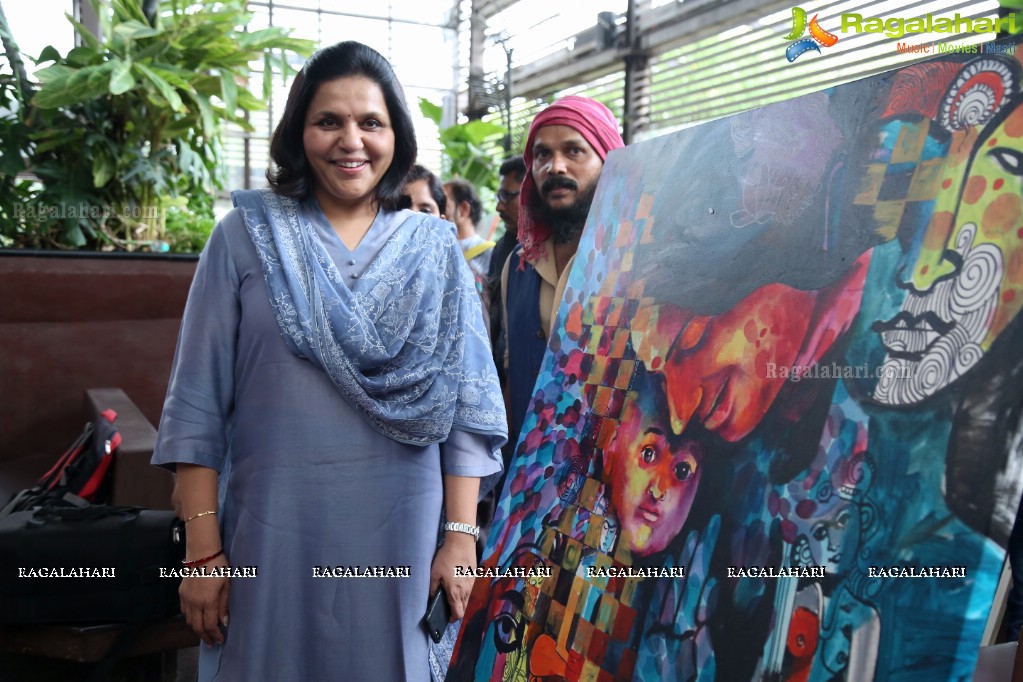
200 562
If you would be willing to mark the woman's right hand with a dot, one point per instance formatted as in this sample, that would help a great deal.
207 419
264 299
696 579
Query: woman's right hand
204 602
203 599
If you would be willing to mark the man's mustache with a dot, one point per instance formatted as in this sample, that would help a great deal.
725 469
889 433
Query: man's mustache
558 182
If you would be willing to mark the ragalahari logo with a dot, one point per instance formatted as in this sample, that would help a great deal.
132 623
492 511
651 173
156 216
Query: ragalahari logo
817 35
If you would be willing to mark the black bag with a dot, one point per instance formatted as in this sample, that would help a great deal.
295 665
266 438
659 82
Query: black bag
89 564
80 471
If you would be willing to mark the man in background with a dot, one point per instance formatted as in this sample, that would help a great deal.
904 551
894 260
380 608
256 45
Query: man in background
464 210
513 171
564 156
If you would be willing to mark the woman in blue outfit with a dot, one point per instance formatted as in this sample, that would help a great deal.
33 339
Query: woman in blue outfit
332 394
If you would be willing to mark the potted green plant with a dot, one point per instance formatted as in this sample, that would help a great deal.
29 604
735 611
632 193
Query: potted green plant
124 134
464 145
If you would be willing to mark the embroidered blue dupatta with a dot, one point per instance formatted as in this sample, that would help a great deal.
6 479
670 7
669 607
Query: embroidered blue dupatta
405 343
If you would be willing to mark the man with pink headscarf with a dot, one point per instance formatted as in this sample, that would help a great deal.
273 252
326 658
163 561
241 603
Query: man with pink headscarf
565 151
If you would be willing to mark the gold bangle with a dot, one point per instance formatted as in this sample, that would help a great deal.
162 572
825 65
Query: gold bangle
205 513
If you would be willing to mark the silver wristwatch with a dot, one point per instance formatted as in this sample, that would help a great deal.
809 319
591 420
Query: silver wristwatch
463 528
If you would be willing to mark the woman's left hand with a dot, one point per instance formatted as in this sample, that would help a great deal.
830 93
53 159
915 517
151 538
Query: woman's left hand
457 552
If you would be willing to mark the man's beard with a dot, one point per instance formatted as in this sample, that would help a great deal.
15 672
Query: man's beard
566 223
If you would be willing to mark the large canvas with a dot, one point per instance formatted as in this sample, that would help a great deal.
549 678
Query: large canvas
776 432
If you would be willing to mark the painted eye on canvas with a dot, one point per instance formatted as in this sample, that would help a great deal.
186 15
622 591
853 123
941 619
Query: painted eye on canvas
508 627
1010 160
842 521
686 467
508 632
648 454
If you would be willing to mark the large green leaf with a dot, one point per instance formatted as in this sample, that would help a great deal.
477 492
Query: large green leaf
52 143
82 56
151 50
71 86
430 110
267 70
208 85
84 33
219 49
128 10
176 77
165 89
133 30
275 38
93 81
249 102
14 138
49 54
58 73
102 170
209 126
121 80
229 90
73 234
478 132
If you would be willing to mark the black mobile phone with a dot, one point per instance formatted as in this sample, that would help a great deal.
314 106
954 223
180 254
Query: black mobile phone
438 614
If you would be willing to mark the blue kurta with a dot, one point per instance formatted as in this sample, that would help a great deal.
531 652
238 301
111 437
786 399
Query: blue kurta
305 482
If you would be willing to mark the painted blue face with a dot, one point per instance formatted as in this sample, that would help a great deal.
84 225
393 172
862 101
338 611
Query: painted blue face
884 294
934 307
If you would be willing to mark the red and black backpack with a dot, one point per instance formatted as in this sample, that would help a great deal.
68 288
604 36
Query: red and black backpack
81 470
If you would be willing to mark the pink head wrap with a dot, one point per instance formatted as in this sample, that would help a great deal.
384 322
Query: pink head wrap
596 124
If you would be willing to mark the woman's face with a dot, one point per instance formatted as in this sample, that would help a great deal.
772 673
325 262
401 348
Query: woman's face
348 141
422 200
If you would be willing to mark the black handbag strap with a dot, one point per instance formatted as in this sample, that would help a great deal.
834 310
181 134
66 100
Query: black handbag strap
78 510
22 500
51 478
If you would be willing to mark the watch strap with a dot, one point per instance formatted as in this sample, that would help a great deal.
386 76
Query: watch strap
462 528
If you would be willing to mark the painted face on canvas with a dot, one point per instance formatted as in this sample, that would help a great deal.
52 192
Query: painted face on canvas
654 473
823 509
963 275
821 542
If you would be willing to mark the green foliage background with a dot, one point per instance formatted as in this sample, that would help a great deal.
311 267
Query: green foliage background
466 150
130 124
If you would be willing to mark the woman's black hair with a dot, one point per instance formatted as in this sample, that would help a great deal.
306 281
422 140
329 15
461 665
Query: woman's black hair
291 175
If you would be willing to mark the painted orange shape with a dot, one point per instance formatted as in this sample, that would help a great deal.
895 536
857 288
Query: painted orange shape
545 659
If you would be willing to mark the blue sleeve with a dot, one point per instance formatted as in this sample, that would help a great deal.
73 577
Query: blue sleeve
200 395
470 454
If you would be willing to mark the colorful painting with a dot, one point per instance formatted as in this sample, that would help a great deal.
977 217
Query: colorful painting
776 435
